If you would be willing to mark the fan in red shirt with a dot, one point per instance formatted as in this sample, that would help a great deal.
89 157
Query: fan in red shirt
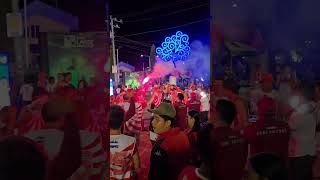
181 112
229 149
194 102
268 134
170 152
193 122
223 150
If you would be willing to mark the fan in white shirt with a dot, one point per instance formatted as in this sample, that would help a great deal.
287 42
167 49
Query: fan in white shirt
26 91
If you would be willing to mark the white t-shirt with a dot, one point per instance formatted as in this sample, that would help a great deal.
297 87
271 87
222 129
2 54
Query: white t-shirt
26 91
303 131
50 88
205 103
122 148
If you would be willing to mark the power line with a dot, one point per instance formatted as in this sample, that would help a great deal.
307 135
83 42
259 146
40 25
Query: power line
152 31
130 43
159 7
132 47
126 40
169 14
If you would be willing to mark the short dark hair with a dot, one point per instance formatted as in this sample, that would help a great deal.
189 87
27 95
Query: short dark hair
67 74
226 111
269 166
307 90
116 116
21 159
196 116
180 96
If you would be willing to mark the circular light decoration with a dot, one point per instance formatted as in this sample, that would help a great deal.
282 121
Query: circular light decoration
174 48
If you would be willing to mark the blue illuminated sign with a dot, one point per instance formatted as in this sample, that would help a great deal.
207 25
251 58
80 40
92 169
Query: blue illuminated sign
174 48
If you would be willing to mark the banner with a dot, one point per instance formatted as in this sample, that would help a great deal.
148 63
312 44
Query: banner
82 54
14 25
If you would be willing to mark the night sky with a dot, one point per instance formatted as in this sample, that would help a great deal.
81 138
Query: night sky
145 15
91 13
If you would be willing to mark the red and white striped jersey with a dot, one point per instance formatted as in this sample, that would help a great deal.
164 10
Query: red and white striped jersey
134 124
122 149
91 147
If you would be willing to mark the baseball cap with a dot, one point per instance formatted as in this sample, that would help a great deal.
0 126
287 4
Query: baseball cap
164 109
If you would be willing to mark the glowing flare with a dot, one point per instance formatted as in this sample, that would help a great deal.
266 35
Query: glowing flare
203 94
145 80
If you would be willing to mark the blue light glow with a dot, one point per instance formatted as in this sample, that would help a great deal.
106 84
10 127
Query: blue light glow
174 48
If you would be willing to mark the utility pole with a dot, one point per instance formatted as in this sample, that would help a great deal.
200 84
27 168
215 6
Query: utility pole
26 34
113 25
118 56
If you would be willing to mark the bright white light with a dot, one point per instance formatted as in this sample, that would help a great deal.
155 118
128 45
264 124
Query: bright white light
202 79
203 94
141 55
145 80
111 88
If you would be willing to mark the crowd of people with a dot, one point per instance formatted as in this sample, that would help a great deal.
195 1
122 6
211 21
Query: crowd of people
58 132
270 133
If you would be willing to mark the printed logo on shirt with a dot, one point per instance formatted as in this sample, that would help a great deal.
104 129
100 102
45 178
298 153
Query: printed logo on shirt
158 153
231 141
272 131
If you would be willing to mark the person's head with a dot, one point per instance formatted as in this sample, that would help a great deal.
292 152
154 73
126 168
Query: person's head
163 118
180 96
53 112
306 93
4 113
82 84
68 77
225 113
51 80
116 117
267 82
193 120
266 166
21 159
60 77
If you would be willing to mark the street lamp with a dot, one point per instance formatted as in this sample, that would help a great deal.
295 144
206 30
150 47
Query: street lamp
148 59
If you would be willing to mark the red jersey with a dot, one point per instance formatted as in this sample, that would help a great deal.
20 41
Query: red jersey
230 152
192 136
181 115
194 105
169 155
271 137
191 173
